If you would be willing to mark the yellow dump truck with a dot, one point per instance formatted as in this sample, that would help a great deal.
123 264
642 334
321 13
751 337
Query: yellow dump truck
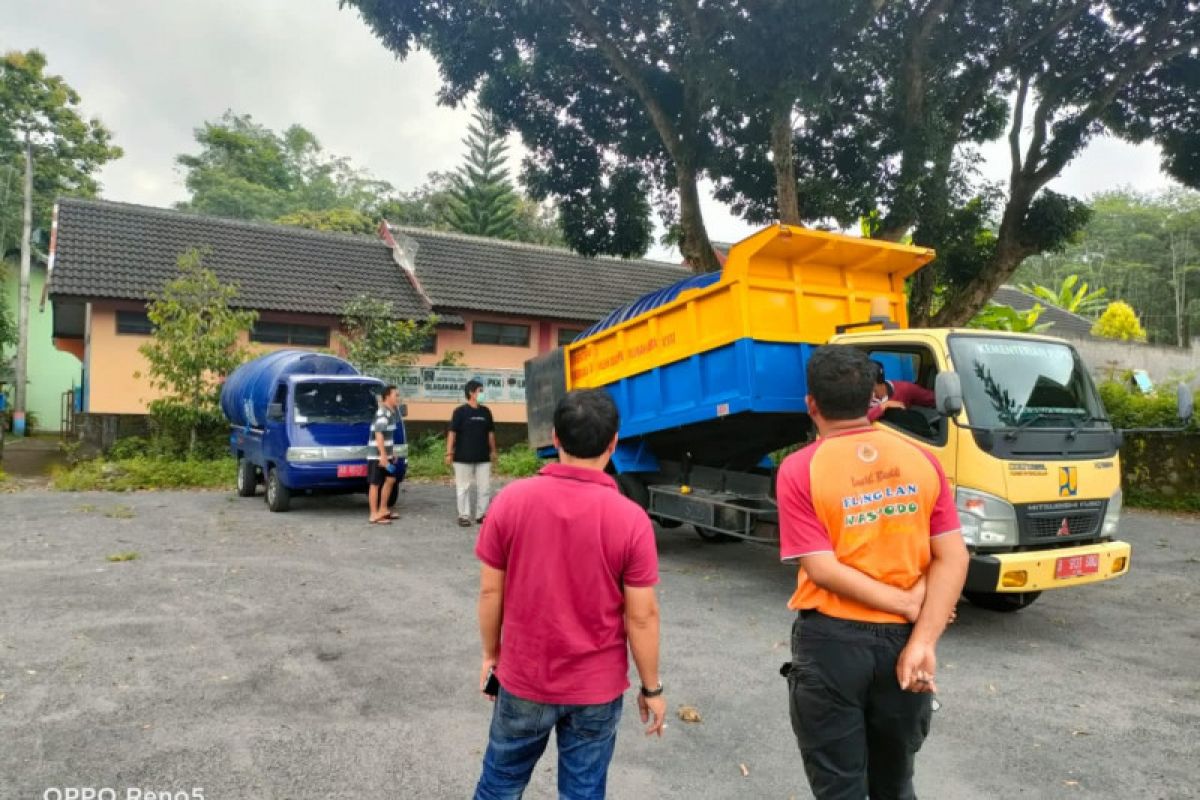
709 377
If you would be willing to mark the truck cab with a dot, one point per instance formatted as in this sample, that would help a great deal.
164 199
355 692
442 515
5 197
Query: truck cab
1025 443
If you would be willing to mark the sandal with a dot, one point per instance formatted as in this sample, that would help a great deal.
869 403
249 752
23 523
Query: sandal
380 521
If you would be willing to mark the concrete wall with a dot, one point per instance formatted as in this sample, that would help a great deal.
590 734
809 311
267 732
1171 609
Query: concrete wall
1162 363
51 372
1162 469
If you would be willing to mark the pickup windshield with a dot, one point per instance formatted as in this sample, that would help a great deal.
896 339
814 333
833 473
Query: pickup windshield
1009 383
335 402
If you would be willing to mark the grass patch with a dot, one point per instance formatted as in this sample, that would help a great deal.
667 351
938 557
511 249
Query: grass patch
427 460
146 472
120 512
1138 498
126 556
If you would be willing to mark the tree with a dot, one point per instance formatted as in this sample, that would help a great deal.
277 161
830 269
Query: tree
247 171
1119 321
374 337
1067 297
196 344
44 135
342 220
927 82
1145 249
999 317
482 200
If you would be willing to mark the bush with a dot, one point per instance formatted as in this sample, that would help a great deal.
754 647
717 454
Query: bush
1129 409
427 459
146 472
1119 321
519 461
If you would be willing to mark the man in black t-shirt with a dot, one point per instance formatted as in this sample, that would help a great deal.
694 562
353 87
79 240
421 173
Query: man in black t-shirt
471 447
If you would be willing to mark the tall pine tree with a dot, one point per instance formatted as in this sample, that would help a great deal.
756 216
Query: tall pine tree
482 199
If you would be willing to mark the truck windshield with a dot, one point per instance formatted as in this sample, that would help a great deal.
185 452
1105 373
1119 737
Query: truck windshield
1009 383
335 402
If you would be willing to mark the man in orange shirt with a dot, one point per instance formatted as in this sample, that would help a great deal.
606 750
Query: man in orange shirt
871 520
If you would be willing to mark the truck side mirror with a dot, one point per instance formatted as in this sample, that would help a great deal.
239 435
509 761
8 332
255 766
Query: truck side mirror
1187 403
275 412
947 390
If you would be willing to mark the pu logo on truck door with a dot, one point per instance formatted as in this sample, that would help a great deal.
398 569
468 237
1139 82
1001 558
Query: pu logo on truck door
1068 481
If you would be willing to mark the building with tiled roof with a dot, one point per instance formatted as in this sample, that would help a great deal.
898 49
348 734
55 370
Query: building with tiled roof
497 303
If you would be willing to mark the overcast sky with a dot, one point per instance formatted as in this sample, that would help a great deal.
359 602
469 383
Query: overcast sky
153 70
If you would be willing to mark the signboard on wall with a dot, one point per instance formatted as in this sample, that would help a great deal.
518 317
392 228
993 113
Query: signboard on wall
445 384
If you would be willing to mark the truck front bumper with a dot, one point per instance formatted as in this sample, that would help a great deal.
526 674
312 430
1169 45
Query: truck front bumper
323 476
1038 570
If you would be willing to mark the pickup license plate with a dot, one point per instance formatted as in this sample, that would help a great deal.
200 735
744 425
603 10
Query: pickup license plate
1074 566
352 470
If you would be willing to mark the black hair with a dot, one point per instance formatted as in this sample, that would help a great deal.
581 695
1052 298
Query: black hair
387 391
471 386
880 375
586 421
841 380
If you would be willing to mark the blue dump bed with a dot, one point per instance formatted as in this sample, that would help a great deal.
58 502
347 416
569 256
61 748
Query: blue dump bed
711 370
247 392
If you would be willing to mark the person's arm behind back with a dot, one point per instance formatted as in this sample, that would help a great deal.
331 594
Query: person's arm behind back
638 578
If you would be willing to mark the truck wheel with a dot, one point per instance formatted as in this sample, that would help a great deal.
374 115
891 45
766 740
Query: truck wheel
634 488
1004 602
394 497
715 536
278 496
247 478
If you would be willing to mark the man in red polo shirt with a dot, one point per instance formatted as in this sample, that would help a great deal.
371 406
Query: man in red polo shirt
567 579
872 523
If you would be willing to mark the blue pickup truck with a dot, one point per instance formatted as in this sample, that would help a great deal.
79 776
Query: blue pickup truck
300 422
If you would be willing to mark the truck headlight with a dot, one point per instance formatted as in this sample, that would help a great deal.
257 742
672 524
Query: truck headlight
986 519
305 454
1112 515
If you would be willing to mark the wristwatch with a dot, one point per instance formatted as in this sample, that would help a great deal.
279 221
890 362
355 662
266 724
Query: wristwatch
655 692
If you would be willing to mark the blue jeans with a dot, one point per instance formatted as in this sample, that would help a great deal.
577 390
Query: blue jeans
517 738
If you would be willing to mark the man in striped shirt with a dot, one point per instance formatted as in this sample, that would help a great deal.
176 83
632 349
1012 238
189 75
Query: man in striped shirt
381 475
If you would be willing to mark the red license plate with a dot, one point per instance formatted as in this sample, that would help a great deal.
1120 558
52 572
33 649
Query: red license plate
1074 566
352 470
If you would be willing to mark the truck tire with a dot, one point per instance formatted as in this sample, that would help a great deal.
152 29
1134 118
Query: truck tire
715 536
247 478
1004 602
663 522
634 488
279 498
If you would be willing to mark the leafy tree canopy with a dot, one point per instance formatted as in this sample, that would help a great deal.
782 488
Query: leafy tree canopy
247 171
867 109
374 337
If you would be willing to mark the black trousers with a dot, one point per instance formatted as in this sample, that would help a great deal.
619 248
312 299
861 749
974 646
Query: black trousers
858 732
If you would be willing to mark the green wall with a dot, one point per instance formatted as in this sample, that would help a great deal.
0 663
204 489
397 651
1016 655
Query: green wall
51 372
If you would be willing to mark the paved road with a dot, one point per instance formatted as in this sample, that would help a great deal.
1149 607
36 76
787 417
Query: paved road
309 655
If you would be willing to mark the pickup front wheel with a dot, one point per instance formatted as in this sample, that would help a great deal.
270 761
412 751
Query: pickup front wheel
247 478
278 496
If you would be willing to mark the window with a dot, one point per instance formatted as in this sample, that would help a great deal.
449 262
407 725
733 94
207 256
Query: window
911 363
497 333
567 335
289 333
429 345
335 402
134 323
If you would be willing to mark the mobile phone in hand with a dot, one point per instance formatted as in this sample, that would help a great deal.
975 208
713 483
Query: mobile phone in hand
492 686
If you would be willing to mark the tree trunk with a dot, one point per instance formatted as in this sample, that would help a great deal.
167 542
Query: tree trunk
694 243
22 377
787 200
920 297
964 304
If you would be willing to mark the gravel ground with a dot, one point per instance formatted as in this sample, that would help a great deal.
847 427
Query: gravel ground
309 655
